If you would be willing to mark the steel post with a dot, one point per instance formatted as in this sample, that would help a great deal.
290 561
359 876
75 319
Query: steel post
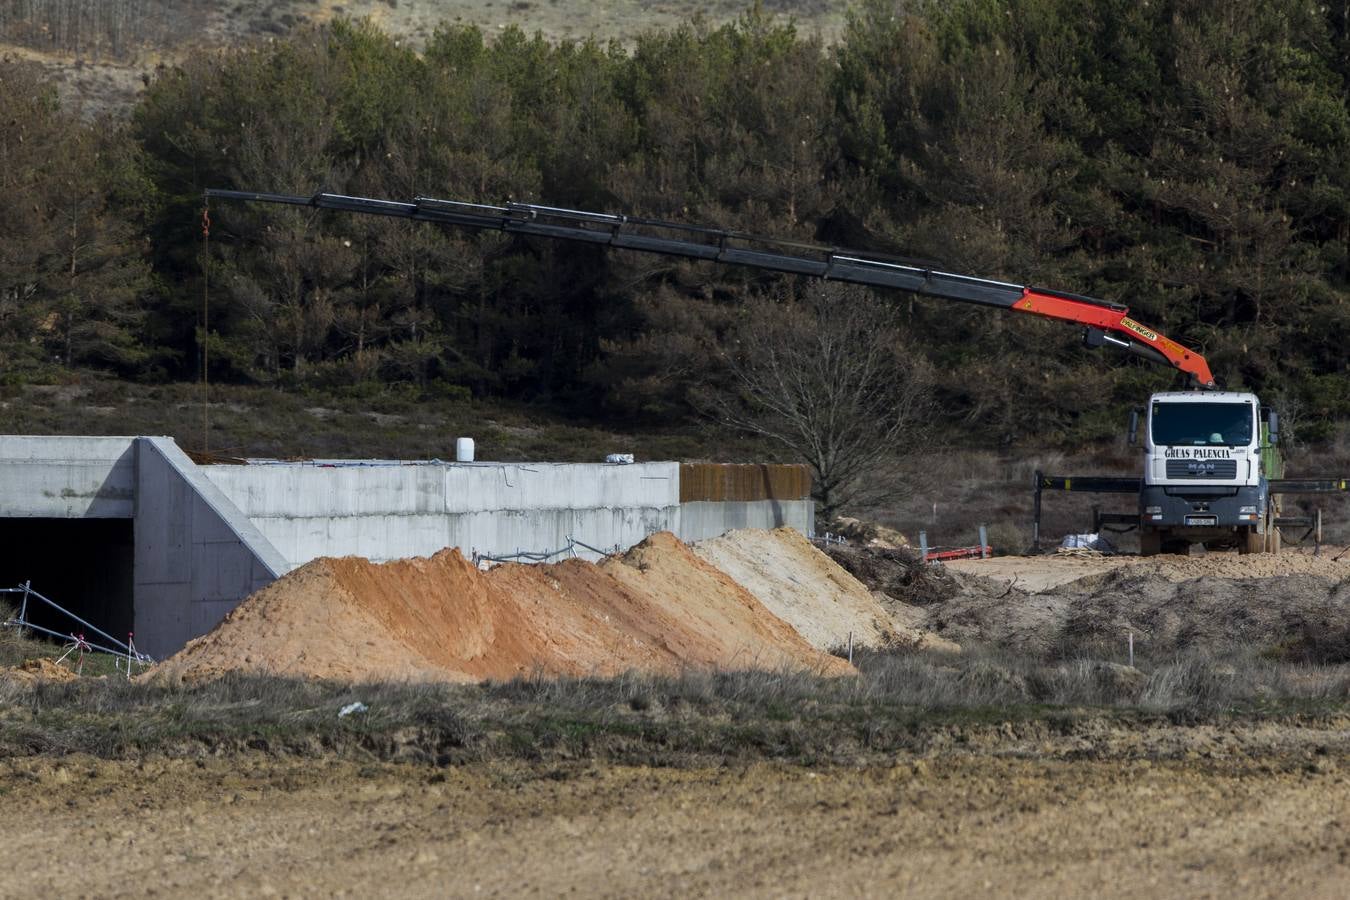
1036 514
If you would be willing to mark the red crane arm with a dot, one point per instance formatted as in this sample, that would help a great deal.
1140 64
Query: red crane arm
1117 328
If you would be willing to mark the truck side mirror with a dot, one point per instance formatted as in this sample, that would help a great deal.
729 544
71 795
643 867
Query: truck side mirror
1133 436
1274 427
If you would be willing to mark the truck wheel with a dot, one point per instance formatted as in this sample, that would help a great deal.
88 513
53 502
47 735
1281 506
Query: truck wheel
1150 542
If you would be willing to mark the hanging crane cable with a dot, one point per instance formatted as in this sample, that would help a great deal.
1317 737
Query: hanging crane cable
206 309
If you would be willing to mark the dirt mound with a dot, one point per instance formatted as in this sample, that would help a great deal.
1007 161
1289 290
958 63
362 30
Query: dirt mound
1208 613
41 669
1037 573
735 627
657 608
1303 615
806 588
991 613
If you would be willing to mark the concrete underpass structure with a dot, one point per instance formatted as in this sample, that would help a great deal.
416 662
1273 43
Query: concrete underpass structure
131 534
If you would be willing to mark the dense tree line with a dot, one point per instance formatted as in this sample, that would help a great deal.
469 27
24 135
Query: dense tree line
1185 157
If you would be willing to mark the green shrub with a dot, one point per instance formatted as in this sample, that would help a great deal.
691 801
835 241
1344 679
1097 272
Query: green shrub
1007 538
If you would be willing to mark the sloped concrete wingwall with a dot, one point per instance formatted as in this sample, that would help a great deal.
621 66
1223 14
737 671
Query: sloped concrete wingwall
387 511
196 554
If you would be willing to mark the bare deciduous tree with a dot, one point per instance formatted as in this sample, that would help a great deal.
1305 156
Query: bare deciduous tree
829 377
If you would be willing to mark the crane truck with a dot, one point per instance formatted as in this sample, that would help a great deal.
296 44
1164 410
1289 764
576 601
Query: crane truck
1211 457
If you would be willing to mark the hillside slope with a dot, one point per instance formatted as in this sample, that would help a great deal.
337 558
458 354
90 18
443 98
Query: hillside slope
100 53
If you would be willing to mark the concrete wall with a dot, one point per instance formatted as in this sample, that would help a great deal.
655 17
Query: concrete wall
701 519
196 554
67 477
389 510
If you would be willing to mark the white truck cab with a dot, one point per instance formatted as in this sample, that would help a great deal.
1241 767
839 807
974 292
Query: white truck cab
1206 456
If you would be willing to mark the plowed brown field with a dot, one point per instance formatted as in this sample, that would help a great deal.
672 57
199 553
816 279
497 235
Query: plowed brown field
952 827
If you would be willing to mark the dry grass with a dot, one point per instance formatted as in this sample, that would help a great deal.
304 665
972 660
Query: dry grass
397 421
899 702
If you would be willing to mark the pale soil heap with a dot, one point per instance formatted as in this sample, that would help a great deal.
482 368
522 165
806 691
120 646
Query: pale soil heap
808 590
658 608
41 669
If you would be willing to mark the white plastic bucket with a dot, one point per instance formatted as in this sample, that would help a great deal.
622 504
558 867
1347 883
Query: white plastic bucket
464 450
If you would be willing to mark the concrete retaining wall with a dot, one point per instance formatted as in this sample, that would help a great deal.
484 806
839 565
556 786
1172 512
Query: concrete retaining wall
389 511
700 519
196 554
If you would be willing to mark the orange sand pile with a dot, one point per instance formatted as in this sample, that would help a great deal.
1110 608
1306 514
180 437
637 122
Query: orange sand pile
658 608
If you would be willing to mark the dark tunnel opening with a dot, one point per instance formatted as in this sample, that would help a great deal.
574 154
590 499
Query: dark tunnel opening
83 565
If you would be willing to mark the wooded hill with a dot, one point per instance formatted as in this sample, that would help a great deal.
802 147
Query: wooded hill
1190 159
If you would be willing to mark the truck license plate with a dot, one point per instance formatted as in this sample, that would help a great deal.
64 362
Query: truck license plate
1201 520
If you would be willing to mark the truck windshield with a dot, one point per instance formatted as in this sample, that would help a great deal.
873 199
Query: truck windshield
1202 424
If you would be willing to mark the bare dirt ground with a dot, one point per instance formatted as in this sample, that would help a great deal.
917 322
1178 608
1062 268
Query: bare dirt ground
986 825
1292 605
1039 573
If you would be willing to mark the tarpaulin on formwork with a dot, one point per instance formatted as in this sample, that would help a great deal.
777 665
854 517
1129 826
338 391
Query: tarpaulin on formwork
750 481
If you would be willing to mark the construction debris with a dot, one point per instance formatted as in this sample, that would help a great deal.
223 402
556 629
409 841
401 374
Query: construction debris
869 534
